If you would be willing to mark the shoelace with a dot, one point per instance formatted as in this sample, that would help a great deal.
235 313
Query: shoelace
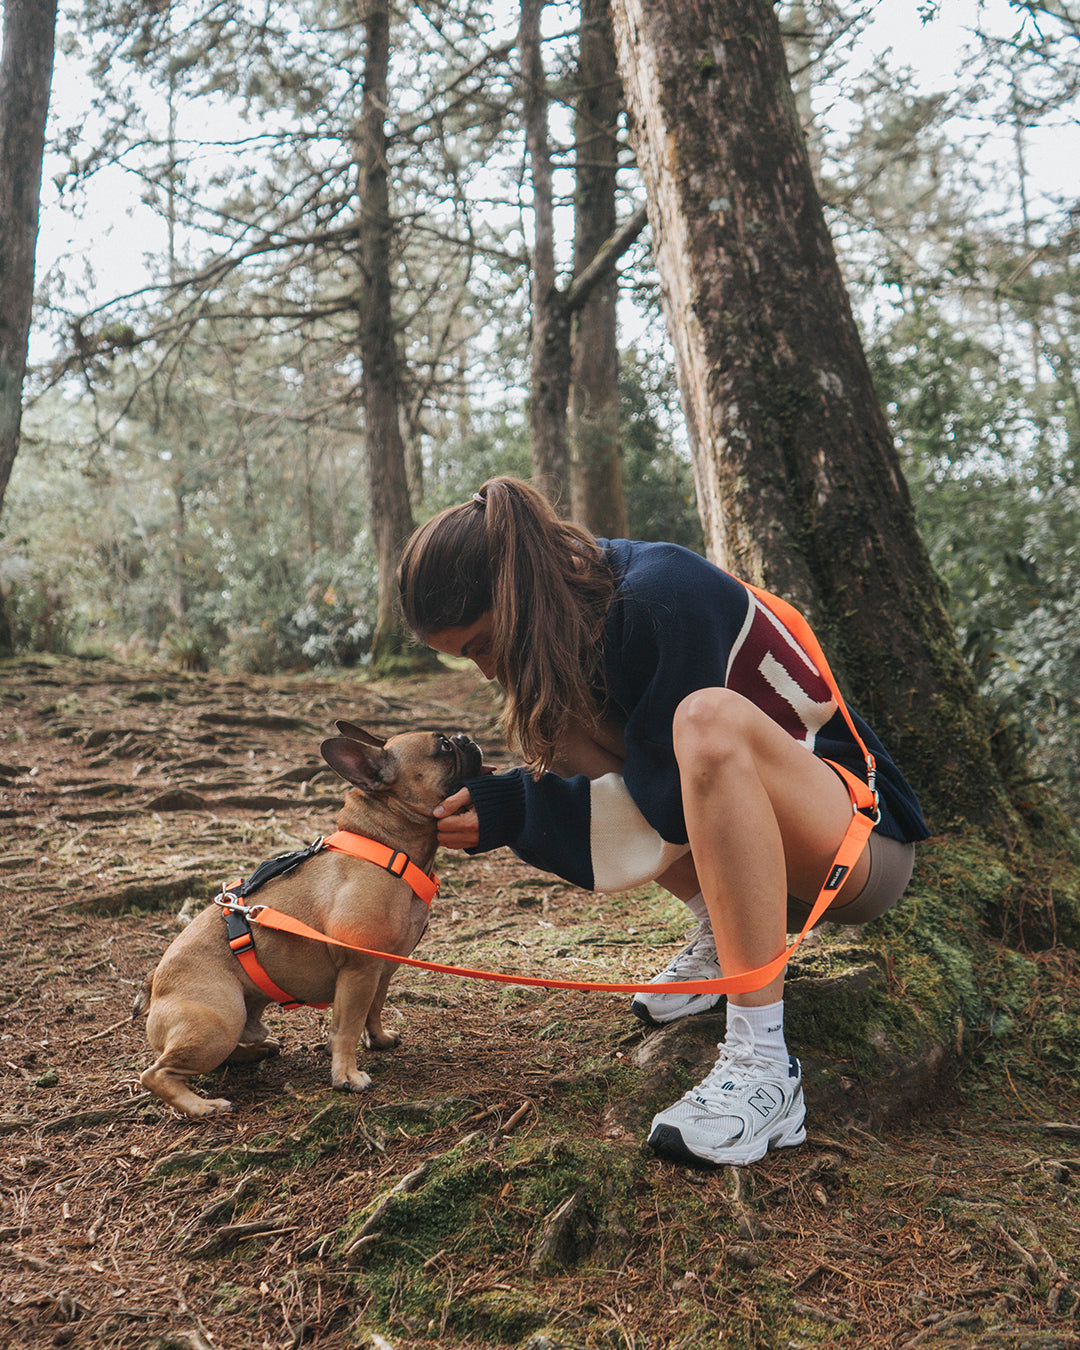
739 1064
701 938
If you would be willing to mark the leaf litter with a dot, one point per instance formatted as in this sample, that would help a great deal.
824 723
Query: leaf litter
492 1187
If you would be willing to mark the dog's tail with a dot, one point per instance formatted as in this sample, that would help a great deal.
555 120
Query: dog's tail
142 998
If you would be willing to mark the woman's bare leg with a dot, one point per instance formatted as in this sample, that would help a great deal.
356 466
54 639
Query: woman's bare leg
764 817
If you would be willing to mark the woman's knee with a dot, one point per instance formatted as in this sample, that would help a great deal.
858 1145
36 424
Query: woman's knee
711 726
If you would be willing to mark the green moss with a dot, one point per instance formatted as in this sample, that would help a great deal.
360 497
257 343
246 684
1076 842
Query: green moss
954 968
483 1213
503 1316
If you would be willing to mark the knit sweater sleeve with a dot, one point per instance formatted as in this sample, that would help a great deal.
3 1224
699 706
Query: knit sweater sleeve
587 831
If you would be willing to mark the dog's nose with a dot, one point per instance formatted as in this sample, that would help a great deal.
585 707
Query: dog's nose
467 748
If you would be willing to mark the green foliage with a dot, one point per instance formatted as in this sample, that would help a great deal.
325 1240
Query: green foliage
202 534
37 605
495 444
193 483
215 538
659 484
994 480
961 260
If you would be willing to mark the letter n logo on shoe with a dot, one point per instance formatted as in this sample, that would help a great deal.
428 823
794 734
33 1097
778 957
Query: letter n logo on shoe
763 1102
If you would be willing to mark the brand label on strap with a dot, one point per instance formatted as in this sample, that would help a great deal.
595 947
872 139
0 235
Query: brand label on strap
836 877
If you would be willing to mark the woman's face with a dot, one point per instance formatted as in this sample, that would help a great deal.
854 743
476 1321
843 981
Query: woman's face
473 641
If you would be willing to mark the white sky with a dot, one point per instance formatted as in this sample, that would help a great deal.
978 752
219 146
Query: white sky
935 53
116 233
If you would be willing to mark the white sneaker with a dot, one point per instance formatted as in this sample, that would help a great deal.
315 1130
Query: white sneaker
745 1106
696 961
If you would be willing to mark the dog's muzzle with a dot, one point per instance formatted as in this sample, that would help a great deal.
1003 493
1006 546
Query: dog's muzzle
470 758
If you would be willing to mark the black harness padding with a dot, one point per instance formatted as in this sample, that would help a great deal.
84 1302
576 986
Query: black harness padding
238 929
275 867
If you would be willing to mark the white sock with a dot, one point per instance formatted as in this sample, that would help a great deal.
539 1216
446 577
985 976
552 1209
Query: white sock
698 908
766 1026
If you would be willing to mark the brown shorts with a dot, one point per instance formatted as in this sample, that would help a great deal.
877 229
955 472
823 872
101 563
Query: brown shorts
890 871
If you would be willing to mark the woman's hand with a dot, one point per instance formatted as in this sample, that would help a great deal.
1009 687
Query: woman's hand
459 826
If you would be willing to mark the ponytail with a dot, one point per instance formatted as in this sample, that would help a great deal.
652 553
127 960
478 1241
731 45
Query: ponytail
548 588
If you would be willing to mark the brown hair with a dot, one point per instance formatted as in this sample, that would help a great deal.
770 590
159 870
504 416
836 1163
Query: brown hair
548 588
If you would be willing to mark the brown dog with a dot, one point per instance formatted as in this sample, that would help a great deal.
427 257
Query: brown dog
202 1006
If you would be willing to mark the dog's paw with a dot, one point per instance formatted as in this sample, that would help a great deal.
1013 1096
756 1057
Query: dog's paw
251 1052
354 1081
381 1040
219 1106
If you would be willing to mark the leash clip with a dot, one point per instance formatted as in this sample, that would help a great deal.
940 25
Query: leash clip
230 903
871 783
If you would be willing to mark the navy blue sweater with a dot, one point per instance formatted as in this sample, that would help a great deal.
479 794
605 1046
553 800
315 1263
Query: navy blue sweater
676 624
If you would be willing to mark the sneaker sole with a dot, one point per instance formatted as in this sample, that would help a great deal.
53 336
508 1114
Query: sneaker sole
643 1015
667 1140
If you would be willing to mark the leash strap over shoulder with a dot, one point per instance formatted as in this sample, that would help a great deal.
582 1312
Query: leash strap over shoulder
864 796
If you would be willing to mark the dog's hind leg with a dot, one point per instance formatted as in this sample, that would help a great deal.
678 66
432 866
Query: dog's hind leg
191 1038
353 995
376 1037
255 1040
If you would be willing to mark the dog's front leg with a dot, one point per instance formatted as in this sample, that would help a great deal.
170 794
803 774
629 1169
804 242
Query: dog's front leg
376 1037
353 995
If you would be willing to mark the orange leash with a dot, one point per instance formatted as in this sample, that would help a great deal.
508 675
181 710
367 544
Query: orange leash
847 855
863 799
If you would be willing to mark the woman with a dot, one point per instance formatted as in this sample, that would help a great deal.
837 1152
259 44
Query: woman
672 727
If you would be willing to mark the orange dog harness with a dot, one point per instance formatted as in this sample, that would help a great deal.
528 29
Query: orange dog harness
239 916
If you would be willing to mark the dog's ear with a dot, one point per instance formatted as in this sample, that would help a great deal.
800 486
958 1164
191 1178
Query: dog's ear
358 763
354 733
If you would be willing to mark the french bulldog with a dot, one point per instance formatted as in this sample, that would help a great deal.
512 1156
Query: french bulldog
203 1008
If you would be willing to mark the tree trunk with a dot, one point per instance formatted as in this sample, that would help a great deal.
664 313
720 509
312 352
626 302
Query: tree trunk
388 489
596 487
550 336
26 65
798 480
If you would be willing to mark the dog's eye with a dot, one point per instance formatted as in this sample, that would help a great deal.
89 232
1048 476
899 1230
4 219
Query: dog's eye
444 746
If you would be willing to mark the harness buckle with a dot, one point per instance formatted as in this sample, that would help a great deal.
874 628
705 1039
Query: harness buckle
394 867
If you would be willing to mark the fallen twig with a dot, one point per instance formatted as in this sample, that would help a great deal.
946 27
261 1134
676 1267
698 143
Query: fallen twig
233 1233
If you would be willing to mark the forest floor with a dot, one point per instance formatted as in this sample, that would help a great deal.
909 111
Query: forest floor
492 1187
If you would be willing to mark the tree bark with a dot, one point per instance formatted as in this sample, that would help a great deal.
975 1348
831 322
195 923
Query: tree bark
596 485
549 346
388 489
26 65
798 481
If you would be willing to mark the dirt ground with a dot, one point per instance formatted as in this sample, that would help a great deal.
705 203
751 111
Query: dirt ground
491 1187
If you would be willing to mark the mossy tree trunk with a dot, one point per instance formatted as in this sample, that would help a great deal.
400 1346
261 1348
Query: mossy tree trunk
388 488
26 65
799 484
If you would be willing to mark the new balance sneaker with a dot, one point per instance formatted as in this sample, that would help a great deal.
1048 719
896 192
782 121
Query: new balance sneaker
745 1106
696 961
